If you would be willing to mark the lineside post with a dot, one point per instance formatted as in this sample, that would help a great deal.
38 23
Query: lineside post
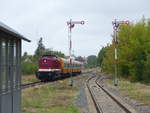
71 24
116 25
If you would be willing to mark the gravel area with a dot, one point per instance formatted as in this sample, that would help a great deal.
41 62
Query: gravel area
140 107
81 99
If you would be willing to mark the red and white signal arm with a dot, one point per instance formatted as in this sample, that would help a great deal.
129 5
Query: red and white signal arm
75 22
127 22
82 22
124 22
121 22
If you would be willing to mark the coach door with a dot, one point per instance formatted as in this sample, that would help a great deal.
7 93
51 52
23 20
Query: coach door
10 76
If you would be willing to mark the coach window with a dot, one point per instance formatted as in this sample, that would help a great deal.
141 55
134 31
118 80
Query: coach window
69 65
65 65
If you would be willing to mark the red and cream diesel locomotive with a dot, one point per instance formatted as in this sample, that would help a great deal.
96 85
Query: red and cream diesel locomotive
52 67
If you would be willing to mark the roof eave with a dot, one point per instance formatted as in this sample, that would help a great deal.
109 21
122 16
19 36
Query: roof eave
6 30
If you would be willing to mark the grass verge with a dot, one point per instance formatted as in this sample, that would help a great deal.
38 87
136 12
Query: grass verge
137 91
56 98
29 78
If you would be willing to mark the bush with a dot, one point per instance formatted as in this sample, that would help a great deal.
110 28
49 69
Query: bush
29 68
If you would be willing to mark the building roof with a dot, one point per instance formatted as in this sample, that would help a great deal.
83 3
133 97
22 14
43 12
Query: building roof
11 31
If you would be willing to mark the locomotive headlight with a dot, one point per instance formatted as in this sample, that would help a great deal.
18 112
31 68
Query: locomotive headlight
45 61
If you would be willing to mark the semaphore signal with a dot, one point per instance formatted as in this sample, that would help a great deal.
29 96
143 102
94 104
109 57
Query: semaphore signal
71 24
116 25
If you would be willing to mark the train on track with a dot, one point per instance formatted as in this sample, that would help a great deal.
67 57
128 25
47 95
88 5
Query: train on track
51 67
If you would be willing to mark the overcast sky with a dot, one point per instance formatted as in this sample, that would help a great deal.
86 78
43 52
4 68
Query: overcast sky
47 19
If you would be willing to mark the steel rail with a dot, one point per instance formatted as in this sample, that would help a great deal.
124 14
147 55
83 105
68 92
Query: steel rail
98 108
118 101
124 106
32 84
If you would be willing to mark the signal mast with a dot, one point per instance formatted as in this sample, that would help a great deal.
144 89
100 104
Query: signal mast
116 25
71 25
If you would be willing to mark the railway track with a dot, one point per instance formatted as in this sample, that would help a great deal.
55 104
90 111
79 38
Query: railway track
32 84
98 108
104 101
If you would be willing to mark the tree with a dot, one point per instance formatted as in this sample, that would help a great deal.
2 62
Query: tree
91 61
101 56
40 49
25 54
133 52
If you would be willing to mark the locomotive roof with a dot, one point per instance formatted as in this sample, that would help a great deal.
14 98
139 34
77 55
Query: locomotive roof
12 32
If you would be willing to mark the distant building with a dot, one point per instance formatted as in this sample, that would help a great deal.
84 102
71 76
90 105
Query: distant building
81 59
67 57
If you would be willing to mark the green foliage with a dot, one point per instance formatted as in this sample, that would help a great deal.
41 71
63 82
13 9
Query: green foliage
133 52
28 68
91 61
40 49
101 56
107 63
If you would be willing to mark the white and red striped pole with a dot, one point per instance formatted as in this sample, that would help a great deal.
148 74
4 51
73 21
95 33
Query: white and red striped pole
116 25
71 25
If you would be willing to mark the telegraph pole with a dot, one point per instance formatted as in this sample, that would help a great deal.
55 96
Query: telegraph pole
116 25
71 25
